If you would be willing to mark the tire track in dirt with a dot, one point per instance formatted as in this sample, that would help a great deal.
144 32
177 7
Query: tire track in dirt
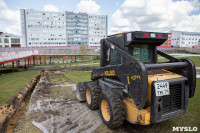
51 109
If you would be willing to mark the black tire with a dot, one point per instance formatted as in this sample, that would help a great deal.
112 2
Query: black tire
92 92
115 109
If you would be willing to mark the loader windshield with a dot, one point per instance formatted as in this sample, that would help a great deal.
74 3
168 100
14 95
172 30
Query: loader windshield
141 52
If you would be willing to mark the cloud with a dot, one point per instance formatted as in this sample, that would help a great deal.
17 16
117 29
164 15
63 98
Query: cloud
119 20
119 23
50 7
157 15
9 19
117 3
88 6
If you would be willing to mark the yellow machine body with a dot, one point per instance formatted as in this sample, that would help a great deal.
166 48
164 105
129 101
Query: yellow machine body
142 117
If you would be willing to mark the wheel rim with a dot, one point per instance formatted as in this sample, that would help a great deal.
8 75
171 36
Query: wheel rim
88 96
105 110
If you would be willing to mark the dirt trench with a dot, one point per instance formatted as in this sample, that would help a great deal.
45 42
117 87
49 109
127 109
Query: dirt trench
10 110
53 107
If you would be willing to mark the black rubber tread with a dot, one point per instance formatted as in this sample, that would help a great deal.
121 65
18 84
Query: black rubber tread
116 110
95 95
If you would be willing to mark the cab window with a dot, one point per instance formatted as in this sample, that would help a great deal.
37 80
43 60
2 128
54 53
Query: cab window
115 57
141 52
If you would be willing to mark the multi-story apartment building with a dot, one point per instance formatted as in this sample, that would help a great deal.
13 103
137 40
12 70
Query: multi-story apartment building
10 40
97 29
43 28
185 39
76 28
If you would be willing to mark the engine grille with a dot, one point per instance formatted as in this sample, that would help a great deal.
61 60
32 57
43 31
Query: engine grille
173 101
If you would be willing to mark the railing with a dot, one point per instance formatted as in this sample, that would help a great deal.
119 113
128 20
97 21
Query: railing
13 53
193 50
7 54
171 48
46 48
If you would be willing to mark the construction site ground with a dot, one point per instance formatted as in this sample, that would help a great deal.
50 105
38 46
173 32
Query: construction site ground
53 108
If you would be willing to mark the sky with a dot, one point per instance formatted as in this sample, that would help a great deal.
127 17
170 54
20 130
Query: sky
123 15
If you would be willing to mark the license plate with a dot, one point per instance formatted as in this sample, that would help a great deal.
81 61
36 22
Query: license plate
162 88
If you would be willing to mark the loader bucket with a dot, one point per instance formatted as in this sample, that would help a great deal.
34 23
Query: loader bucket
80 92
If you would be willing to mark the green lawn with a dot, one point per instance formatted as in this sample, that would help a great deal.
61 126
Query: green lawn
12 83
195 59
78 76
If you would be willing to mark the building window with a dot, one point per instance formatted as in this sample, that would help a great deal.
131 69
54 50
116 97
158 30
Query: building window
6 40
0 40
15 40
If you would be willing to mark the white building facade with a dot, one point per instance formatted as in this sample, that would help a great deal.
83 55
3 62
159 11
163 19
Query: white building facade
97 25
43 28
10 40
76 28
185 39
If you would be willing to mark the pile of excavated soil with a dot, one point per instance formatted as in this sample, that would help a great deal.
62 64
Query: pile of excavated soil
53 107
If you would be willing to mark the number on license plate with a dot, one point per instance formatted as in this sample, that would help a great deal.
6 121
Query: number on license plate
162 88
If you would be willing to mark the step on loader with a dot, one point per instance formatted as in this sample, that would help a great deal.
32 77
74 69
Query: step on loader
132 85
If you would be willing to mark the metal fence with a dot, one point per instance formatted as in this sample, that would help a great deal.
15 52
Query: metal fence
193 50
171 48
7 54
46 48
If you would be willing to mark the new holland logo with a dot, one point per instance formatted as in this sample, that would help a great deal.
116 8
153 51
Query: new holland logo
183 129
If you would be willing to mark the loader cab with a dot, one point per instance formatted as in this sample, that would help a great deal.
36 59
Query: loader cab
141 45
144 53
